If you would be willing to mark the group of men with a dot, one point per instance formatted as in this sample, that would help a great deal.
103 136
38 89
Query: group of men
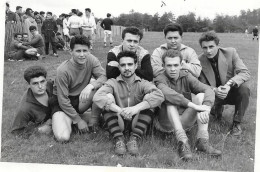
185 87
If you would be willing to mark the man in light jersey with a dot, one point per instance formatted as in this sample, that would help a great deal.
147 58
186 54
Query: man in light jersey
74 23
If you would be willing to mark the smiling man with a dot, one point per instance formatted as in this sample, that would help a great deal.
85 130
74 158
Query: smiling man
131 37
74 90
133 98
227 75
173 36
187 101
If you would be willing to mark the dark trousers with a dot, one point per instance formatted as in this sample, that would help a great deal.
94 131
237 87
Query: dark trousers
238 97
53 44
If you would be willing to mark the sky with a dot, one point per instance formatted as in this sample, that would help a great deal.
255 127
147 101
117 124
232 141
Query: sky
202 8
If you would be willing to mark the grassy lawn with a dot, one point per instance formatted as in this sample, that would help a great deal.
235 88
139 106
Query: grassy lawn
156 150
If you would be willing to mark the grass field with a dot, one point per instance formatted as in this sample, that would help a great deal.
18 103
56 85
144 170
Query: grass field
156 150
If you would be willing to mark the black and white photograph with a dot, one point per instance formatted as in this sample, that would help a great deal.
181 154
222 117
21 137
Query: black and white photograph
123 85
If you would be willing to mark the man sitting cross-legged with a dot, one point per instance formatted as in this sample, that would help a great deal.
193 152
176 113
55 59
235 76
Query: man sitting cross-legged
186 101
74 90
36 104
133 99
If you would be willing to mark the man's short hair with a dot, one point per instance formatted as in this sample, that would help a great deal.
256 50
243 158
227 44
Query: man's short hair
79 39
171 53
209 36
80 14
74 11
172 28
18 7
108 14
127 54
132 30
34 72
32 28
7 4
88 9
42 12
35 13
49 13
16 34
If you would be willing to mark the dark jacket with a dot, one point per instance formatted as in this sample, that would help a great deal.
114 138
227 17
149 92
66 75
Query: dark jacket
49 29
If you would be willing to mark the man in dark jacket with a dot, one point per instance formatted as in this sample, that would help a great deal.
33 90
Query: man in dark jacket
49 28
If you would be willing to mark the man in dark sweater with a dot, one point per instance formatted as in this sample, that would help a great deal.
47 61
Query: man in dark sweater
131 37
106 25
49 29
255 33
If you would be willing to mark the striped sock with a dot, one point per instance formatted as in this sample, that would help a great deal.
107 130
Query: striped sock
112 123
144 119
181 135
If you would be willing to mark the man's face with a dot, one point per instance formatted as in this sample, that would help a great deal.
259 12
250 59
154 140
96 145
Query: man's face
25 37
173 39
172 67
210 48
42 15
87 13
19 38
48 16
19 11
33 32
38 85
131 42
80 53
127 66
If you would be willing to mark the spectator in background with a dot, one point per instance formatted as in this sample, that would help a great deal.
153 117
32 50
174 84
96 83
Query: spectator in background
54 17
49 29
37 45
19 14
59 41
25 37
42 14
255 33
66 31
38 20
88 24
59 22
10 16
80 14
74 23
106 25
29 21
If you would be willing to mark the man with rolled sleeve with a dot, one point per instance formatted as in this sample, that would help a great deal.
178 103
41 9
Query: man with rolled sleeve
227 75
132 99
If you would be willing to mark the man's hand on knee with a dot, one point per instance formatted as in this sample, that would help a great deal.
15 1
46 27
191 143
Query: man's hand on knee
203 117
85 93
82 126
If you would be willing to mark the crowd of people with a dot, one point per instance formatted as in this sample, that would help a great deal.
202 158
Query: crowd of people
173 88
53 30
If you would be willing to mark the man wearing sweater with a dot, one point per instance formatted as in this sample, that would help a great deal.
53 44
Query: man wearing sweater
74 90
132 100
186 101
131 37
106 25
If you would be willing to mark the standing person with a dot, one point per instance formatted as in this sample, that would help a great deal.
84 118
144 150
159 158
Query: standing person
106 25
59 22
133 100
19 14
173 36
42 15
88 24
227 75
187 101
66 31
49 29
73 89
29 21
35 105
246 33
74 23
131 37
38 20
10 16
255 33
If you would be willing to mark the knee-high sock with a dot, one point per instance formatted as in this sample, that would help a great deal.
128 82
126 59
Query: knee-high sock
140 127
112 122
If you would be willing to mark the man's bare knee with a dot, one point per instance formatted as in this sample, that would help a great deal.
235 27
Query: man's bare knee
61 125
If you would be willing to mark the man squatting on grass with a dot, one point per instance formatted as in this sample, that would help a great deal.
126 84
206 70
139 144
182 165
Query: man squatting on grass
227 75
35 105
133 98
131 37
74 90
173 36
187 100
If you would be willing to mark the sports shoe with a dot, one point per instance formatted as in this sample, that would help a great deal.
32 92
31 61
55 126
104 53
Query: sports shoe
204 146
236 129
132 146
11 60
184 150
55 55
120 148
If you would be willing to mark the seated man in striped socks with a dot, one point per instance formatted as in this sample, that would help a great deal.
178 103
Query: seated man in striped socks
133 98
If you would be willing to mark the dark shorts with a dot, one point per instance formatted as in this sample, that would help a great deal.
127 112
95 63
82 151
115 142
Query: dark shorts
74 100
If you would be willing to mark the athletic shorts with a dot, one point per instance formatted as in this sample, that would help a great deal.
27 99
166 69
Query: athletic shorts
74 31
107 32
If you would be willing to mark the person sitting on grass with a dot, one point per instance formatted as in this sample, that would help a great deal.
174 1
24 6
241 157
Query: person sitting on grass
36 43
59 41
17 49
132 99
35 105
187 101
74 91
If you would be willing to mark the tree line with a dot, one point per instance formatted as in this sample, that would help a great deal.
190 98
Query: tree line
190 23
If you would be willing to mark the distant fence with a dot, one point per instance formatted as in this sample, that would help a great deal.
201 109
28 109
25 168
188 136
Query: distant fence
12 28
